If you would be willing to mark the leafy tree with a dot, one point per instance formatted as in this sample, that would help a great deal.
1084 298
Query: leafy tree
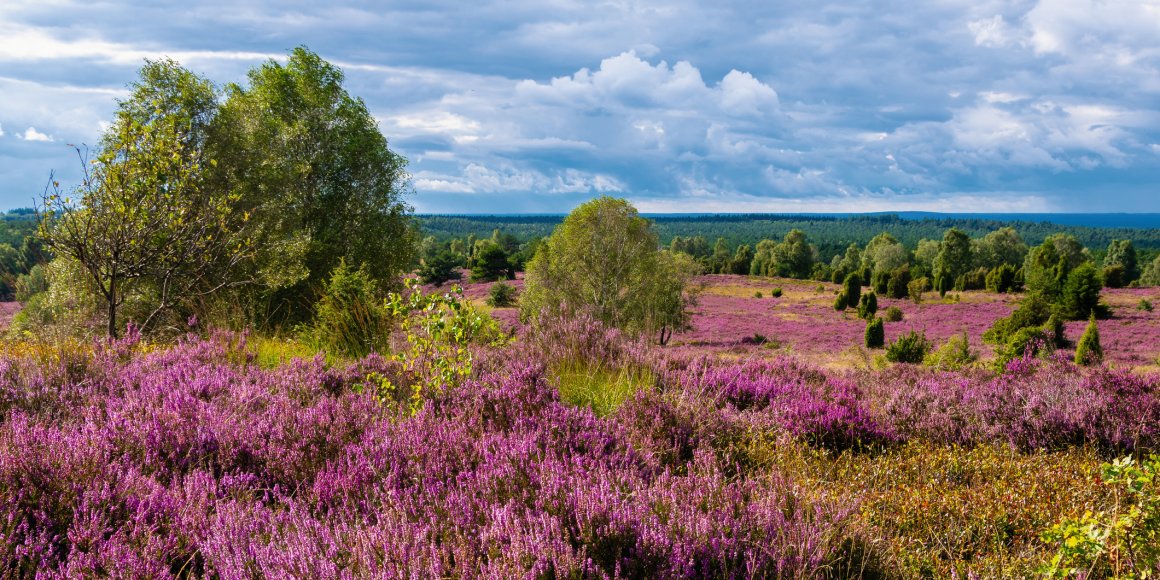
1151 274
1002 246
603 260
1123 254
897 285
953 259
1047 265
884 254
143 219
1001 279
741 261
315 178
442 268
793 257
501 295
925 253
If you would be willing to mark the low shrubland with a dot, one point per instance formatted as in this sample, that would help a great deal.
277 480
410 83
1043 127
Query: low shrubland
577 451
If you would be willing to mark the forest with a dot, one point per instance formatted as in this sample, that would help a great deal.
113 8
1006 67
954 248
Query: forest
236 352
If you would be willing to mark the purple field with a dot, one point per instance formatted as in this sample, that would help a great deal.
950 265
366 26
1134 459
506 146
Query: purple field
803 323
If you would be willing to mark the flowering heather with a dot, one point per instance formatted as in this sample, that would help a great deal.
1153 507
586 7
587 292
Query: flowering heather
194 461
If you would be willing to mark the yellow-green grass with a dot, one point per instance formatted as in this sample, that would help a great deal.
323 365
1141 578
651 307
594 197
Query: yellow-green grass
601 388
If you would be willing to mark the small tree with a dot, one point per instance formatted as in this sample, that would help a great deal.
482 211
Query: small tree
897 284
501 295
852 288
868 305
440 269
909 348
1088 350
1081 292
491 263
875 333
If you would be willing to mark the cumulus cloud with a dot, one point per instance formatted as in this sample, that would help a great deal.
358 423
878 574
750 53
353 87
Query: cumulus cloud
679 104
31 134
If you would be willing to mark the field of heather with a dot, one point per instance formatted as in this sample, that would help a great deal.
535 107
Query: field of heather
803 323
569 450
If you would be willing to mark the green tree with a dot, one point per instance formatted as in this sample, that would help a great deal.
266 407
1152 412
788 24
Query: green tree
884 254
603 259
875 336
793 257
741 261
953 259
143 220
1122 253
1088 350
1002 246
491 263
1048 264
440 269
315 178
1081 292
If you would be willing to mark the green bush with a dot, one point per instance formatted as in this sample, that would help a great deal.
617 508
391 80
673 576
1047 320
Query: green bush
350 319
953 355
973 280
441 269
909 348
1001 279
875 335
1033 311
916 288
1145 305
1114 276
892 314
501 295
1123 542
852 288
868 305
758 294
841 301
1089 351
1081 292
897 286
776 292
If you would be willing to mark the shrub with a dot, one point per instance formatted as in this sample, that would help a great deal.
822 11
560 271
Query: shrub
880 282
1033 311
892 314
875 333
1001 279
1145 305
1121 543
776 292
1088 350
868 305
441 269
758 294
973 280
501 295
909 348
953 355
491 263
916 288
897 286
841 301
1114 276
350 319
1081 292
852 288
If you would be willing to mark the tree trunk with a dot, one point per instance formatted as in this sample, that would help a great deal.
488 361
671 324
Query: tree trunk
113 307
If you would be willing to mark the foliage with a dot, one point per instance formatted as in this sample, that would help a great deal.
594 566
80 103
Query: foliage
776 292
1122 253
916 287
491 263
953 355
501 295
604 259
875 333
892 314
841 301
1001 279
868 305
898 285
1047 266
316 180
852 289
1081 292
1003 246
953 259
1151 274
440 269
350 319
1144 304
143 214
1088 350
971 280
1122 542
908 348
1033 310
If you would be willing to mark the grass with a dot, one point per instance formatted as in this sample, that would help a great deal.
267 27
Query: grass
598 387
270 352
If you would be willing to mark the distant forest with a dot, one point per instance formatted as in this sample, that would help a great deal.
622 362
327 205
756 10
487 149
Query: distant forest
830 234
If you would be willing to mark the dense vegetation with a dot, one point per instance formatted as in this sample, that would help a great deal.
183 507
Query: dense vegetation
288 398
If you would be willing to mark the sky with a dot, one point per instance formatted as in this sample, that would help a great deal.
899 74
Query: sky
679 106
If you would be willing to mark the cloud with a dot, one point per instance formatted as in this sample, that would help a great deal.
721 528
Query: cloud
1 129
31 134
1046 104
